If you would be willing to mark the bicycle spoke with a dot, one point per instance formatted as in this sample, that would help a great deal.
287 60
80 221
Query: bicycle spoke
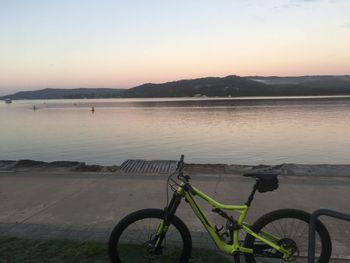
137 241
289 230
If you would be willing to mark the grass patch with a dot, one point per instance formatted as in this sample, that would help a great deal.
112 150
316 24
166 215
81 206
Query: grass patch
14 250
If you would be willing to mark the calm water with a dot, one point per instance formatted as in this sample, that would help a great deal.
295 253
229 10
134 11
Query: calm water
244 131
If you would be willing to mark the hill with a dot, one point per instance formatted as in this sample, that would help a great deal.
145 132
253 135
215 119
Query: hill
236 86
230 86
211 87
65 94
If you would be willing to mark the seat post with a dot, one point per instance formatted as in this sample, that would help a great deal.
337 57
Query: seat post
251 196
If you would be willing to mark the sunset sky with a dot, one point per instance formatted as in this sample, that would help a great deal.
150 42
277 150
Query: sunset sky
120 44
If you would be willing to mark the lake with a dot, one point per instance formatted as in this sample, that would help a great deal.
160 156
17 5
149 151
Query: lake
235 131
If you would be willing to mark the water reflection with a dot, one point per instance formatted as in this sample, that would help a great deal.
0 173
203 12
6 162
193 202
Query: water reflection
243 131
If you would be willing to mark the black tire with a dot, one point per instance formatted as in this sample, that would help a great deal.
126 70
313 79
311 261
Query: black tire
115 242
268 221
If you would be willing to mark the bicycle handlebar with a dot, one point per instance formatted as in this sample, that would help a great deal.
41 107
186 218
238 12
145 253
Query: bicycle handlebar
182 158
180 164
179 168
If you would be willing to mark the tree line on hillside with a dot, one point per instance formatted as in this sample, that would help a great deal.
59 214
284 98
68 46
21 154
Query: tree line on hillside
230 86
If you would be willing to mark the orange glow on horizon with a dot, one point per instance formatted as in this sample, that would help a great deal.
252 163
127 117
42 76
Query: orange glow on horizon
100 46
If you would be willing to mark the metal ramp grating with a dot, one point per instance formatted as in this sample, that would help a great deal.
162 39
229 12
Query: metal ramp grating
148 167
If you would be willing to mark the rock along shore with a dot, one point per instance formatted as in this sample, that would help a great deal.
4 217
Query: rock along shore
322 170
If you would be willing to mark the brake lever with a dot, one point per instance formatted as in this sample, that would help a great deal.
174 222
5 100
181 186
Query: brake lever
181 175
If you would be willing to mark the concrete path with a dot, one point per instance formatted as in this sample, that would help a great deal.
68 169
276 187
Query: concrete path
87 205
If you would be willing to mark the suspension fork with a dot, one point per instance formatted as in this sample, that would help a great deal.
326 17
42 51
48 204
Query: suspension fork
170 210
164 224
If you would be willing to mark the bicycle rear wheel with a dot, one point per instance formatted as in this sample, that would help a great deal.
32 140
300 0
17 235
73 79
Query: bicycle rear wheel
133 239
290 227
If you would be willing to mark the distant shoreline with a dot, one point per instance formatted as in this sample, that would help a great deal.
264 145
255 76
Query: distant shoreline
345 96
229 86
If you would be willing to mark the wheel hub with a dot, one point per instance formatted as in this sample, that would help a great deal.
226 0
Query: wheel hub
149 251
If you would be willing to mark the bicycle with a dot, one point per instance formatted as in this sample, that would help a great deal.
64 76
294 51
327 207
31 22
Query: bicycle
264 239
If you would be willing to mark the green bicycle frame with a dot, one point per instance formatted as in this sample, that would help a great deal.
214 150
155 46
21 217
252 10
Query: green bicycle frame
236 246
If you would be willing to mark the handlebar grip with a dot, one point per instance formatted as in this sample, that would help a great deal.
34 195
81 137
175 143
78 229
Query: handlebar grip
180 163
182 158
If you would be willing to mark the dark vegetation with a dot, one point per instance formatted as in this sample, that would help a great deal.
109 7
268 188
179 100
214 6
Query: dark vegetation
65 94
230 86
16 250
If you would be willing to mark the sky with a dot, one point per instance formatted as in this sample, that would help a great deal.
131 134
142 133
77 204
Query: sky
121 44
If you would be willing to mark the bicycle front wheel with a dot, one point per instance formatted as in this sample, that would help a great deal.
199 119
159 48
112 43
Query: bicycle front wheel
287 228
133 239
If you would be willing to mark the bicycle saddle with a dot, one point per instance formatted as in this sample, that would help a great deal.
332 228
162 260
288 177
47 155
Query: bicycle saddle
266 181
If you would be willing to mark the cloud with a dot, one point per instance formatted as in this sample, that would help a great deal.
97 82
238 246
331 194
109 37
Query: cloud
315 1
295 3
308 0
299 3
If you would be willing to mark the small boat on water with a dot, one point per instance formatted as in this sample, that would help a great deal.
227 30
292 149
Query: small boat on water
8 101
